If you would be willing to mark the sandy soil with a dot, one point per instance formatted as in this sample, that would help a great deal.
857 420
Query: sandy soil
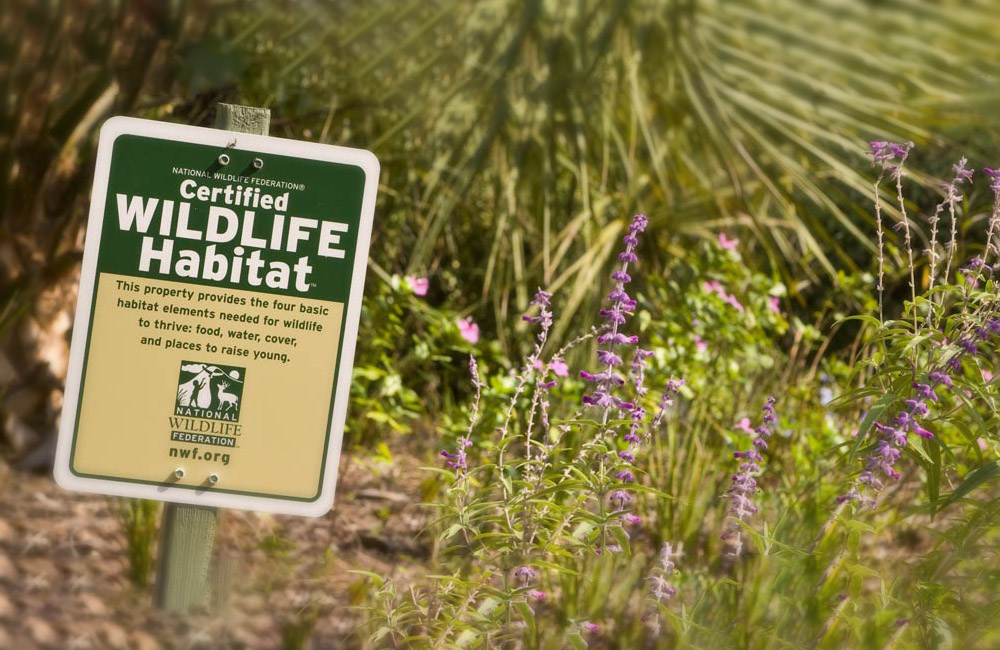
64 567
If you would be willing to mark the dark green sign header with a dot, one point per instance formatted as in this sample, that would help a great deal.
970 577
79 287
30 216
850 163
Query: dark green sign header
235 218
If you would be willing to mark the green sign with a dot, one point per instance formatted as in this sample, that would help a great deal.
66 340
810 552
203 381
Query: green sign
219 302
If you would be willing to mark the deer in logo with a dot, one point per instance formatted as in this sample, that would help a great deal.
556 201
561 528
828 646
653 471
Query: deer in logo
227 401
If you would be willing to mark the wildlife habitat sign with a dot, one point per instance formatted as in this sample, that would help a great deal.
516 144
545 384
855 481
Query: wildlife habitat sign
217 316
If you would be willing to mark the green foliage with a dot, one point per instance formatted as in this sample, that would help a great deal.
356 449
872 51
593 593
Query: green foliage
516 137
812 573
410 367
138 519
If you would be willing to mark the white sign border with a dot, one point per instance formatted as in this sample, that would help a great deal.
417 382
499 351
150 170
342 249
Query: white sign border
117 126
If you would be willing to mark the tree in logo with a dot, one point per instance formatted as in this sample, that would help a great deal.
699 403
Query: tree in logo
210 387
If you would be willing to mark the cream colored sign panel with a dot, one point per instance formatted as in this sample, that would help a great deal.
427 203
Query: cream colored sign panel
154 350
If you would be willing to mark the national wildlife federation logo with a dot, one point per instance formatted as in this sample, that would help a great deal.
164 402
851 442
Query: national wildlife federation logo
212 391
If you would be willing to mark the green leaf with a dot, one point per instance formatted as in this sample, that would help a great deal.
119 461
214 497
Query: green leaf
622 538
527 615
577 641
972 480
933 471
871 417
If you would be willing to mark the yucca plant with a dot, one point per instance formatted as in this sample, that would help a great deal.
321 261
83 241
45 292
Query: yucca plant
517 136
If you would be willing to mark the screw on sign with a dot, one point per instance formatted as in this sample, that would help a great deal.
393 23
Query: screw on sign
223 275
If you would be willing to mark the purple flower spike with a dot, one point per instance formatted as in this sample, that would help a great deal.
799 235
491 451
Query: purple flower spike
961 173
615 315
744 482
883 152
994 175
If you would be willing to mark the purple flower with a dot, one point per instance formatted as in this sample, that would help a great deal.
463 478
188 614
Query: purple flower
917 408
744 483
891 439
925 391
619 499
617 338
587 626
535 594
609 358
941 378
542 298
525 575
458 460
994 175
961 173
883 152
661 589
631 519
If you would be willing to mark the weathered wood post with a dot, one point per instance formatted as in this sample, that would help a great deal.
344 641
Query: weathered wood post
188 532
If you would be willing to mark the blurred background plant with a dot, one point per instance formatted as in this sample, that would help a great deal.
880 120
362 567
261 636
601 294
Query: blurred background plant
138 519
515 137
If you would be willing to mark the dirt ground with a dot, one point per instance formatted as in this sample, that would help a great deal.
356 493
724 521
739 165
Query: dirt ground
64 567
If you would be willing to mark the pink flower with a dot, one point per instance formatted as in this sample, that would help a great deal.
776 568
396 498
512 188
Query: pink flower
419 285
587 626
538 365
559 367
983 445
713 286
469 330
744 425
727 243
700 344
731 299
775 304
987 375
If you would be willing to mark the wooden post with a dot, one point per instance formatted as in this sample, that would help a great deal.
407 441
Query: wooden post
188 532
